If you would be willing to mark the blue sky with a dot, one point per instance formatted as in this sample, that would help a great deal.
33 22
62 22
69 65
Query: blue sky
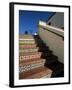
28 20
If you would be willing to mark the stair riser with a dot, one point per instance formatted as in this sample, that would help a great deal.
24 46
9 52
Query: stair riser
26 39
29 50
26 42
27 46
23 39
27 57
29 62
46 55
31 66
24 36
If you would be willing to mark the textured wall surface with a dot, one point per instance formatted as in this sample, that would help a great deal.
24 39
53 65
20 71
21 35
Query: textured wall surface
54 42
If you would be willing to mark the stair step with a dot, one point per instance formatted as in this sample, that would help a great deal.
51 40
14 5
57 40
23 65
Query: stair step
36 37
26 42
27 46
40 42
56 67
27 56
30 64
46 54
27 62
23 36
29 50
44 50
42 46
51 60
36 73
31 53
52 57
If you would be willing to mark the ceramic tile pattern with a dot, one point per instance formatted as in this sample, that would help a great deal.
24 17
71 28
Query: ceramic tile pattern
31 65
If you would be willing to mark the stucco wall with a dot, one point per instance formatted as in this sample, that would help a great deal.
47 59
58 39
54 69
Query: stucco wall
54 42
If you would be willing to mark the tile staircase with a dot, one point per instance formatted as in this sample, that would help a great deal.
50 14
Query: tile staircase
35 59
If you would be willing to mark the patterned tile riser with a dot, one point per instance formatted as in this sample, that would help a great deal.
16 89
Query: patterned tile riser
29 50
27 46
30 57
32 66
29 62
27 42
21 47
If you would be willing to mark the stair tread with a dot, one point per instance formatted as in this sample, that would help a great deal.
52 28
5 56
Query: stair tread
35 73
50 61
56 67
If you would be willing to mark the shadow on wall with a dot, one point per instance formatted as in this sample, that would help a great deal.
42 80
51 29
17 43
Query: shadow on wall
55 43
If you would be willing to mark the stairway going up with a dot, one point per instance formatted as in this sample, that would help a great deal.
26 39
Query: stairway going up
31 65
35 59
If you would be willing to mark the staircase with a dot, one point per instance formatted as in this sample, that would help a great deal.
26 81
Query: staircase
36 60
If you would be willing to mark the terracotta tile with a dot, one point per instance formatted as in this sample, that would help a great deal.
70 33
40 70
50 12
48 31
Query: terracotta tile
35 73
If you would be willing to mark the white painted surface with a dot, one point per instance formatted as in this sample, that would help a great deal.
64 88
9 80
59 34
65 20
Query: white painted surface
55 43
51 28
52 40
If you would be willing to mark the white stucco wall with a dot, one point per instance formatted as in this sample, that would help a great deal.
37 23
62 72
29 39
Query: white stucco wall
55 43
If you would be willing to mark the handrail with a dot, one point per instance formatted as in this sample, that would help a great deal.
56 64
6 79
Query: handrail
52 29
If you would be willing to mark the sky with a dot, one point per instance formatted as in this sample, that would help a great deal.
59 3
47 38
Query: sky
28 20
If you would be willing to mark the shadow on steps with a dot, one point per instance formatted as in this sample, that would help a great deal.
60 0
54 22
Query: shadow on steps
56 67
51 60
